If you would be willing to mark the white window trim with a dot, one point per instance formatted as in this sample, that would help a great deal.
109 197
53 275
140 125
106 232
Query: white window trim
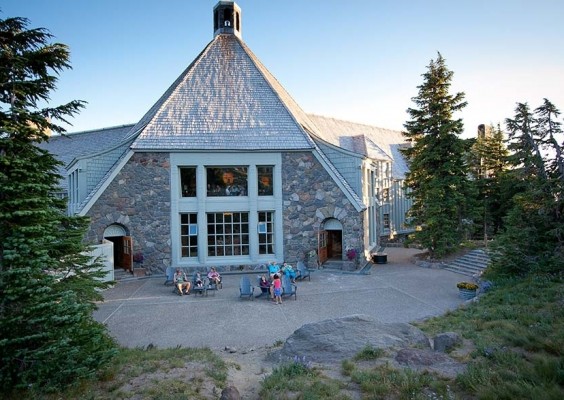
203 205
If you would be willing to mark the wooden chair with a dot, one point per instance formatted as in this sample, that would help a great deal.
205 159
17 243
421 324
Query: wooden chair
203 290
169 276
288 288
303 272
264 295
245 288
215 286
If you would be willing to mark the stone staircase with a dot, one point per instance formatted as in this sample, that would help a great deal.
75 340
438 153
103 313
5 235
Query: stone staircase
470 264
121 274
341 265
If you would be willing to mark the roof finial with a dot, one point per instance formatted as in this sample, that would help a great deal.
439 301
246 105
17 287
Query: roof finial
227 18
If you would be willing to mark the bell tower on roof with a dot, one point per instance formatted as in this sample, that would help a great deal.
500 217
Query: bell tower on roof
227 18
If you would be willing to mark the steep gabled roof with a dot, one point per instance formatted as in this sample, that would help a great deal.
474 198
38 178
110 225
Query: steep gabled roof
378 143
225 100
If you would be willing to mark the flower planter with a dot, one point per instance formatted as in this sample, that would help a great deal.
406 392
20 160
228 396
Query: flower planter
466 294
379 258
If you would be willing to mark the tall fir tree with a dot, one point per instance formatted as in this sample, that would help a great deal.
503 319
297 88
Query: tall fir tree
48 337
488 164
533 239
437 176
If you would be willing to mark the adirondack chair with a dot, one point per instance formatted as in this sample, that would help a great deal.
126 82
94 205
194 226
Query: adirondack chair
245 288
303 272
288 288
264 290
169 276
212 285
203 290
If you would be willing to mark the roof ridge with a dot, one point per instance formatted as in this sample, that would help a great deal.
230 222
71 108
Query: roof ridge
148 117
351 122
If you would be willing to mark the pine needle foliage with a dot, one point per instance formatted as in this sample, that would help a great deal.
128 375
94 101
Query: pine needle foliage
48 338
488 162
437 178
533 239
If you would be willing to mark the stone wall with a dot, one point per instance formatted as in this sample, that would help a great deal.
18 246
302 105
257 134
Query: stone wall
310 197
139 199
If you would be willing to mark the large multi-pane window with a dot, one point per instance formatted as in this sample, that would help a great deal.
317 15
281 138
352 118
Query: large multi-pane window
266 232
189 234
228 234
188 181
227 181
265 180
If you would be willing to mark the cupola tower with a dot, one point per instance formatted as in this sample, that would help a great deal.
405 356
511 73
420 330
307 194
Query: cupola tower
227 18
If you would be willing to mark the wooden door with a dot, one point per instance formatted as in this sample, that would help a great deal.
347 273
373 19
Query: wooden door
127 254
322 247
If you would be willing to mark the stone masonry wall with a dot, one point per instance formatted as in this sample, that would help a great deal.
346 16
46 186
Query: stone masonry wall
310 197
139 199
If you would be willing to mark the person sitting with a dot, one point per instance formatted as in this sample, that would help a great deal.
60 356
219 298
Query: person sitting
264 286
214 277
289 272
198 282
181 282
273 269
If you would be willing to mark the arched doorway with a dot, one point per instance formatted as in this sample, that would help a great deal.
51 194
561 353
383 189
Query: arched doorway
123 246
330 240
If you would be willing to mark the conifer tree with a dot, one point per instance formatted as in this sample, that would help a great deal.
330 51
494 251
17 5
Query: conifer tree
533 238
488 164
48 337
437 177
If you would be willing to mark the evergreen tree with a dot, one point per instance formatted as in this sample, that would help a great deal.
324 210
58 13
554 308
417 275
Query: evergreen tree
533 239
488 164
437 178
48 338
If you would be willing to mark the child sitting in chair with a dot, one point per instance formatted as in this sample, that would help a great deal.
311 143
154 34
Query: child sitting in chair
198 281
214 276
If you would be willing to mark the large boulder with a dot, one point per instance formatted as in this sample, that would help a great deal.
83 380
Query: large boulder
337 339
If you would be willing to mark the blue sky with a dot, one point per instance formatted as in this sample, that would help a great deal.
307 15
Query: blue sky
357 60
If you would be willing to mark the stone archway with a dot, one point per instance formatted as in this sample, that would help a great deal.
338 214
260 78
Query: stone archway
332 228
123 246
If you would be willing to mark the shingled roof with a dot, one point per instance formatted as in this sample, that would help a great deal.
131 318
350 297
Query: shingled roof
225 100
71 146
370 141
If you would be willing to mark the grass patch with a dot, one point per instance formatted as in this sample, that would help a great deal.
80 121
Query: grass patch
518 329
151 373
296 380
369 353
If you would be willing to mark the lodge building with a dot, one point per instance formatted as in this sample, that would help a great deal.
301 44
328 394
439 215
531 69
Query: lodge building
226 169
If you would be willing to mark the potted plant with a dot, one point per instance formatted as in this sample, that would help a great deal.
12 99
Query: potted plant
138 258
467 290
351 254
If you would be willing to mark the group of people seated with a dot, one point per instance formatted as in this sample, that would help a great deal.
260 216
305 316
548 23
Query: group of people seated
273 284
184 285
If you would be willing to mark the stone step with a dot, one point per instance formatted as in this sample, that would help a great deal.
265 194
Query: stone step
120 274
339 265
472 263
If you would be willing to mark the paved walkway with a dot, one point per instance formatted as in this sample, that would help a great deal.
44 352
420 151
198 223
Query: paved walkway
144 311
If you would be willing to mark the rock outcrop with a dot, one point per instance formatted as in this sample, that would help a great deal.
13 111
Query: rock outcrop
337 339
